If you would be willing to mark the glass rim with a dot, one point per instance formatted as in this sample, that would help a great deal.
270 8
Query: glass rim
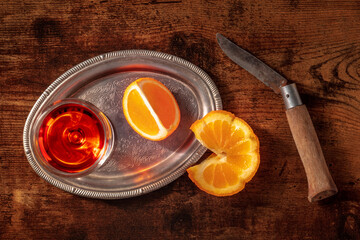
105 123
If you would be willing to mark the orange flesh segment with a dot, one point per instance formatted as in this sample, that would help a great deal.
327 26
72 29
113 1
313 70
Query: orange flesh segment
226 133
219 177
240 148
230 175
239 162
208 137
140 114
209 174
161 102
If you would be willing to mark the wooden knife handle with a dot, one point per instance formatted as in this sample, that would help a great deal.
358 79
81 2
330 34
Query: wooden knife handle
321 184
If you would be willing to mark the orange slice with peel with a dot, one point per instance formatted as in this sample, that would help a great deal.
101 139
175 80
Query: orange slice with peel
235 157
151 109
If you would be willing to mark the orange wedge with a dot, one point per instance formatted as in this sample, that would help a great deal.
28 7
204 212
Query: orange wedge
151 109
235 157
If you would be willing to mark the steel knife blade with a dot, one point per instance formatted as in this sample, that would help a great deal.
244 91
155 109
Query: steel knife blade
251 64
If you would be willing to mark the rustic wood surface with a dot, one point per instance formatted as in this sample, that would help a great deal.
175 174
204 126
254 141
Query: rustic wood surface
315 44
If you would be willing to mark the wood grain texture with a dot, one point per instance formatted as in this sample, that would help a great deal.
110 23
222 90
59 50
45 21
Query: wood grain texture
312 43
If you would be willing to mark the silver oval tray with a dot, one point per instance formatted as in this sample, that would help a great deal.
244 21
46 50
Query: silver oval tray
136 165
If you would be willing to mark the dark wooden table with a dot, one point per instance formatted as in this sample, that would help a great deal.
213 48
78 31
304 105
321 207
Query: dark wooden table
315 44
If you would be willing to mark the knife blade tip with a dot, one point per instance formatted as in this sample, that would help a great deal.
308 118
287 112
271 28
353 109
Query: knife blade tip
221 40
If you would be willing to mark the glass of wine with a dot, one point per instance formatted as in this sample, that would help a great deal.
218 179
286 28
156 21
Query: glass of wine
73 138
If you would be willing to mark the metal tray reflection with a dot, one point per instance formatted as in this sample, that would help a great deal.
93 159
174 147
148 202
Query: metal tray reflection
136 165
